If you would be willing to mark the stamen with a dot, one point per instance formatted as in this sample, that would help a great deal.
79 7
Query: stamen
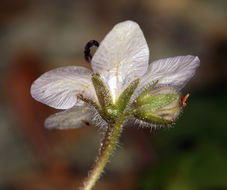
87 54
184 100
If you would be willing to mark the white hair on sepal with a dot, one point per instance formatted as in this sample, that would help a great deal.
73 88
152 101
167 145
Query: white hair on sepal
153 127
134 122
96 119
143 124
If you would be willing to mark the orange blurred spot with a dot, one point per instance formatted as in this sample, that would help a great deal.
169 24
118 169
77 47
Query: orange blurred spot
184 100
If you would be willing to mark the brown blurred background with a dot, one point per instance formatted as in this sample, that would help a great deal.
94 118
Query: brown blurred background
36 36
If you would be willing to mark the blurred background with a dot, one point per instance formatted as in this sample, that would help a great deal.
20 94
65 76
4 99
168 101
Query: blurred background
36 36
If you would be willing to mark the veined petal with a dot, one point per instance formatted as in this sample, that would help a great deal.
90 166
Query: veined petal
58 88
174 71
75 117
122 56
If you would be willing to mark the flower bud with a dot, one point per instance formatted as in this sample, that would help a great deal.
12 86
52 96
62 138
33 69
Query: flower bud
159 106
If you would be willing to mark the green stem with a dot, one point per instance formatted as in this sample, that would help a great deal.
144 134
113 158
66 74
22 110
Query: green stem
107 149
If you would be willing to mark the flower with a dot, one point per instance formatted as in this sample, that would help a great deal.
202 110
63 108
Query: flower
121 79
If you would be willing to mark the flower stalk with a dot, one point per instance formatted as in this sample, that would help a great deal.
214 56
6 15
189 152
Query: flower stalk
107 147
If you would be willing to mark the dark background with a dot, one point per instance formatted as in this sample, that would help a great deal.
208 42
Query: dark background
36 36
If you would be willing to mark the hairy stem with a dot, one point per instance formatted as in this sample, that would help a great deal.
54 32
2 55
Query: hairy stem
108 145
106 138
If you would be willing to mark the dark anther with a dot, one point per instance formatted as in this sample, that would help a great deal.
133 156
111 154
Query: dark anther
87 54
85 122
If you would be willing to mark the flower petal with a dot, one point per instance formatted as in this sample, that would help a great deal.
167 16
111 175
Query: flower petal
174 71
122 56
58 88
75 117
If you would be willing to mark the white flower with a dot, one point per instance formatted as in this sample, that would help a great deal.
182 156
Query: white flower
121 58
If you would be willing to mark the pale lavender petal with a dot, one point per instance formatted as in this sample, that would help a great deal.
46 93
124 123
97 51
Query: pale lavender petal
58 88
122 56
75 117
174 71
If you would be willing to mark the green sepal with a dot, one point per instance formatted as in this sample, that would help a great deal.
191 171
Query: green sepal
102 92
155 102
157 107
89 101
126 95
146 91
146 111
151 118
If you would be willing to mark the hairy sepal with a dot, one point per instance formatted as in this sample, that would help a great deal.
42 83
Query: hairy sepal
159 106
124 98
151 118
102 92
111 111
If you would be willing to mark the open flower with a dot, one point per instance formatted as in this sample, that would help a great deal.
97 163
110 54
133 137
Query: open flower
121 79
121 85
